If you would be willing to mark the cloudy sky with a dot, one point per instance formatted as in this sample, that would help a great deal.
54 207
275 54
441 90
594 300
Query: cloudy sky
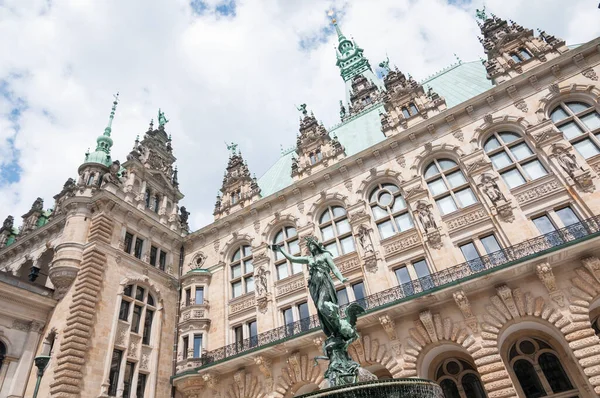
220 69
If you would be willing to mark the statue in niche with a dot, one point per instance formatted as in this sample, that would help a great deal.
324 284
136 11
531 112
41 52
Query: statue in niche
261 281
568 162
425 217
113 174
490 188
364 239
340 332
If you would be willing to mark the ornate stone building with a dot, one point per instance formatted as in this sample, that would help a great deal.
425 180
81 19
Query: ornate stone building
463 210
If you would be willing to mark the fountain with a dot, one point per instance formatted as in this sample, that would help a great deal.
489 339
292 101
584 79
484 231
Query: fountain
344 378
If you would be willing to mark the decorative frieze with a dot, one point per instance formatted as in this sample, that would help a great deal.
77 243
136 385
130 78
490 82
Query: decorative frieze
290 285
401 243
348 264
241 304
538 192
466 220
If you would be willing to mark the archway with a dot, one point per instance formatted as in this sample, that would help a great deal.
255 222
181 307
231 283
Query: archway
44 265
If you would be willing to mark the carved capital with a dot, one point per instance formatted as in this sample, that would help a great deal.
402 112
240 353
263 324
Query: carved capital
211 380
544 272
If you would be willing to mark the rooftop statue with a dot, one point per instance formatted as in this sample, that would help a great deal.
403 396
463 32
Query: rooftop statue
385 64
480 14
231 147
340 332
162 120
302 108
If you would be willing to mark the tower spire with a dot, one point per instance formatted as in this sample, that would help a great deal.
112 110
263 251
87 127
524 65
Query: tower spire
108 128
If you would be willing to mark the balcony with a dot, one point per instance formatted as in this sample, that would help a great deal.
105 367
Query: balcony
505 258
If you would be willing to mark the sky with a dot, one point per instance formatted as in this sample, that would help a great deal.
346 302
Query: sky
221 70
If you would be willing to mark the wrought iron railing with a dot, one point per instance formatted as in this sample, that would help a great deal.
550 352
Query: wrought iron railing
439 279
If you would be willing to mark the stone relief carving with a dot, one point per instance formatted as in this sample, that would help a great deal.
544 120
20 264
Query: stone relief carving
500 205
369 256
568 162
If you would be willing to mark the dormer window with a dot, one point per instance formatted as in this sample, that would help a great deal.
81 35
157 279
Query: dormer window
515 58
524 54
91 179
235 197
315 156
405 112
413 109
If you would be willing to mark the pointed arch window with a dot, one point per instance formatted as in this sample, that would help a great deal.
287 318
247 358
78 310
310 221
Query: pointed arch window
538 369
241 271
287 237
448 186
580 124
513 159
389 210
336 233
459 379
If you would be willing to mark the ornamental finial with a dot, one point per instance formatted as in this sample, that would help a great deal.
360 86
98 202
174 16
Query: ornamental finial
480 14
108 128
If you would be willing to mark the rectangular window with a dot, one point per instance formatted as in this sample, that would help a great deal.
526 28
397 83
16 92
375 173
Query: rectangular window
544 225
422 271
162 260
304 316
127 379
359 292
490 244
236 288
124 310
238 334
253 333
567 216
115 369
135 319
147 326
188 297
186 346
128 242
139 243
288 320
153 253
141 385
342 296
404 280
197 345
199 295
472 256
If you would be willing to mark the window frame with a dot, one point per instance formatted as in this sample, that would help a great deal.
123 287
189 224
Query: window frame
285 243
450 191
593 135
391 216
332 222
244 276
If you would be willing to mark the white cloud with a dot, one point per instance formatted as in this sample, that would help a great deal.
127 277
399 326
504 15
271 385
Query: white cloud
217 77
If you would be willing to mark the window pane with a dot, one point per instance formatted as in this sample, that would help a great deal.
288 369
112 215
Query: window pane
127 291
431 171
373 196
385 199
567 216
325 217
469 251
379 213
347 245
521 151
237 288
404 222
472 386
446 164
570 130
141 385
290 232
586 148
127 378
446 205
391 187
509 137
282 271
490 244
385 229
500 160
449 386
402 275
421 268
303 310
359 290
332 248
466 197
236 271
528 379
253 329
139 294
294 247
534 169
437 187
554 372
150 300
338 212
558 114
248 266
342 296
288 316
124 311
491 144
456 179
577 107
147 326
237 255
513 178
343 226
399 204
296 268
135 319
591 120
327 233
197 345
278 238
247 251
199 295
238 334
544 225
249 284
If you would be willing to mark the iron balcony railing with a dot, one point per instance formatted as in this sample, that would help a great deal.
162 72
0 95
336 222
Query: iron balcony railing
535 246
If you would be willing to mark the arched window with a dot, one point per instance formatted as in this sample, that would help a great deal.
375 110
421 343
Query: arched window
335 231
413 109
405 113
137 310
448 186
389 210
513 159
287 237
459 379
242 271
580 124
538 369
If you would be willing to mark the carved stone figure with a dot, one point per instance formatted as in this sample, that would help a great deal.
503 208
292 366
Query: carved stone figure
113 174
340 332
261 281
364 238
162 120
8 224
490 188
342 110
568 162
425 217
38 205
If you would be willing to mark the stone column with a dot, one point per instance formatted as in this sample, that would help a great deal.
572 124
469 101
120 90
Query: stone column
19 380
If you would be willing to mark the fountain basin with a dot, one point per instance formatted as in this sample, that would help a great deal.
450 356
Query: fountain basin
390 388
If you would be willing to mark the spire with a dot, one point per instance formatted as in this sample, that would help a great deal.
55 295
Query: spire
104 142
337 28
108 128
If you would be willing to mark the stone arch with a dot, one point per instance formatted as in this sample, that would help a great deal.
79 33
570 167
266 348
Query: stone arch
232 244
43 263
280 220
324 200
584 92
143 280
245 385
431 330
497 124
367 351
298 372
378 176
430 152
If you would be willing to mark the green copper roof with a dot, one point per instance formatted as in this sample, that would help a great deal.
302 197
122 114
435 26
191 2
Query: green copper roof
104 142
457 83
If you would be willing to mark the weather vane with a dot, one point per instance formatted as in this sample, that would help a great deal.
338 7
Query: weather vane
331 14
